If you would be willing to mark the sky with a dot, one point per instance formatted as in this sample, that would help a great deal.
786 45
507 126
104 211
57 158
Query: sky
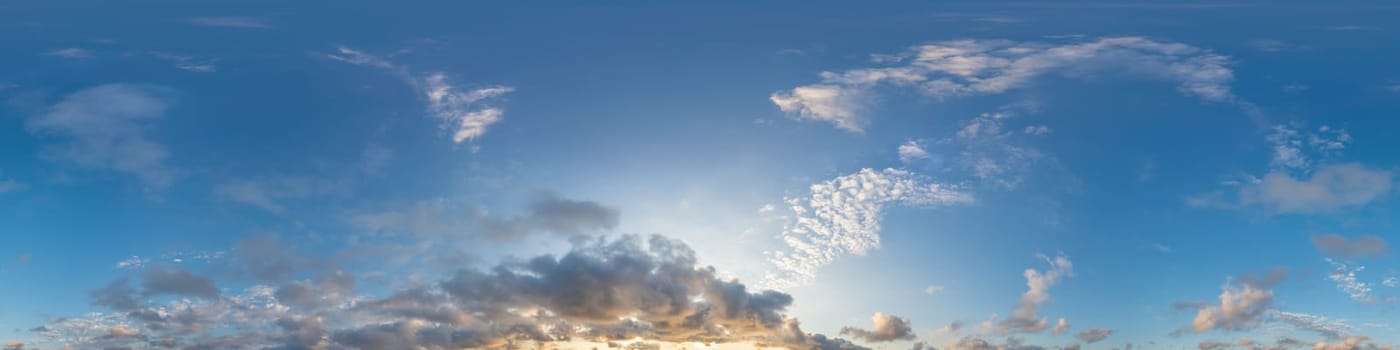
691 175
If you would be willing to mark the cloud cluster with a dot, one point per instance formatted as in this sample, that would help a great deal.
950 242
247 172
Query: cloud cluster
600 291
973 67
105 127
1344 275
842 216
887 328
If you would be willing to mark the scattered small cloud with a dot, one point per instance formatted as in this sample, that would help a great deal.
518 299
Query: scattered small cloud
1037 130
1344 275
1025 318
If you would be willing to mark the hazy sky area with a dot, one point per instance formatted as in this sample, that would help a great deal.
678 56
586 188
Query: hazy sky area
925 175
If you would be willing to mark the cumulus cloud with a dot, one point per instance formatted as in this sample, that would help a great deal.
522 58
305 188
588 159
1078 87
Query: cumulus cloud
1338 246
1331 188
105 127
952 327
887 328
162 280
972 67
464 113
230 22
1352 343
1025 318
842 216
1093 335
1241 307
911 151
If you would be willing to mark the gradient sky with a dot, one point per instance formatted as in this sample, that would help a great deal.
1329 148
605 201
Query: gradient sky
948 175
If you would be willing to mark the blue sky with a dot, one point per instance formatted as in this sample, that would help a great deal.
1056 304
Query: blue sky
949 175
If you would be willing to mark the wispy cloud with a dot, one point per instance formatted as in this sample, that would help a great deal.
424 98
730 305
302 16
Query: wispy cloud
231 22
72 53
971 67
104 127
466 114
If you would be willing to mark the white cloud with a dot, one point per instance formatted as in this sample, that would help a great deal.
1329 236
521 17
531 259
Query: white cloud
355 57
134 262
1025 318
458 110
842 216
230 22
1037 130
1330 188
971 67
187 63
71 53
829 103
911 151
105 127
465 114
1327 327
1295 149
933 289
1345 277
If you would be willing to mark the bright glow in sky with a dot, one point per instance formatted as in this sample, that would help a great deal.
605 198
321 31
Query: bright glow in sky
799 175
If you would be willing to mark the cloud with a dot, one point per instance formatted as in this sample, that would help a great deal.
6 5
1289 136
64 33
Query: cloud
1338 246
1351 343
272 193
187 63
911 151
230 22
988 153
887 328
972 67
842 216
1037 130
546 213
1061 327
1241 307
1093 335
1294 148
933 289
602 290
1025 318
1345 277
10 185
71 53
466 114
1327 327
105 127
1214 345
951 328
827 103
167 281
1331 188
